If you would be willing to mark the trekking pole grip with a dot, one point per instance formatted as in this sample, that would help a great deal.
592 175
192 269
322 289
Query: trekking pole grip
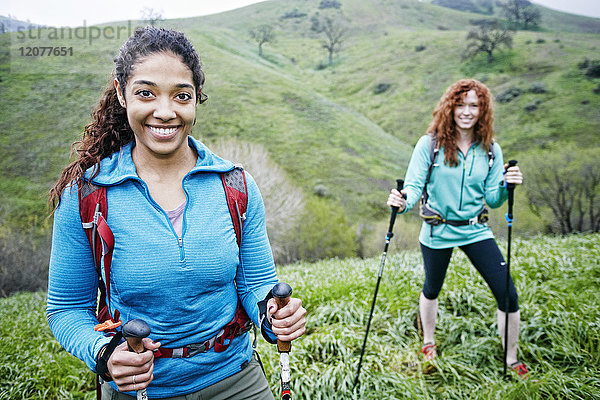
134 331
282 292
399 187
511 163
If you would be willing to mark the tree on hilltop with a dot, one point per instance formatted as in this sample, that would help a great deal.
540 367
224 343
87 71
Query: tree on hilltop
152 16
334 29
486 37
521 13
262 34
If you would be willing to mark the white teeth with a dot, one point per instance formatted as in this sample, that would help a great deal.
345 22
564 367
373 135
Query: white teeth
162 131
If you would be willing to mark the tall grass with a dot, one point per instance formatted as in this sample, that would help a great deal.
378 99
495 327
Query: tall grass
557 280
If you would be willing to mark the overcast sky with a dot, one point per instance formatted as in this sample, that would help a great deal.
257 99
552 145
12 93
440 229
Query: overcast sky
75 12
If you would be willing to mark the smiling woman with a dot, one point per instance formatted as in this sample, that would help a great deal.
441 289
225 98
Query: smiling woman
177 262
456 169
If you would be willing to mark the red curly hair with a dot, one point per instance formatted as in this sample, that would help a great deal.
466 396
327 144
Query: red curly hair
443 118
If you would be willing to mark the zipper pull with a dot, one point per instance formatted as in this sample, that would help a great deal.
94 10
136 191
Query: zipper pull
180 242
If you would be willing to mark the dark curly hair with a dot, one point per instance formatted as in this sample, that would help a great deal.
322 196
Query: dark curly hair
443 118
109 129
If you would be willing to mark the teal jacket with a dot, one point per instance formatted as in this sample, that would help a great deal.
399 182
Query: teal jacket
458 193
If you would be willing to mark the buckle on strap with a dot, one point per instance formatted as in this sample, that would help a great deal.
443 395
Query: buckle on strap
186 351
197 348
474 220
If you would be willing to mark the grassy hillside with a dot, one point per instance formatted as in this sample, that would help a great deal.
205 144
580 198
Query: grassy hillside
326 127
557 280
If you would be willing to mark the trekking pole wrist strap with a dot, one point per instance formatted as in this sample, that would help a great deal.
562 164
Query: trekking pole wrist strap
104 355
265 326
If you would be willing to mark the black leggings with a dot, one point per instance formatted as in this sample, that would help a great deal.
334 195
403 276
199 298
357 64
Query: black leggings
486 258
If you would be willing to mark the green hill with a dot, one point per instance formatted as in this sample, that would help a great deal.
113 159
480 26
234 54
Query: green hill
324 126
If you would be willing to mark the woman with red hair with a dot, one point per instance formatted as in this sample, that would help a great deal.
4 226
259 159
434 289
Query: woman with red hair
457 169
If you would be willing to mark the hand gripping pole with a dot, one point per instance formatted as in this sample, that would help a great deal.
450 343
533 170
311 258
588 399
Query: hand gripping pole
282 293
134 331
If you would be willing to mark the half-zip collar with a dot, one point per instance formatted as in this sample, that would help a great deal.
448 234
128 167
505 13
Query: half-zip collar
119 167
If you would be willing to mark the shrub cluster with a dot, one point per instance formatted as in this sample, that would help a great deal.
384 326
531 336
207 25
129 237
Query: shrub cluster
299 228
24 256
382 87
530 107
460 5
508 95
591 68
323 233
330 4
293 14
538 87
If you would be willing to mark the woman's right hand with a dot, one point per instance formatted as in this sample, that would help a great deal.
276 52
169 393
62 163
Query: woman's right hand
397 199
132 371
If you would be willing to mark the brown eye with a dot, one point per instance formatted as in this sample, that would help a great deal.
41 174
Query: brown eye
184 97
144 93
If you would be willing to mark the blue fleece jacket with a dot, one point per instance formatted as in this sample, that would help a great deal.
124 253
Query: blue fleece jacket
187 291
458 193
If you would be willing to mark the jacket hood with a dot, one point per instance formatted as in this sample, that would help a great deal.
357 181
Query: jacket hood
119 166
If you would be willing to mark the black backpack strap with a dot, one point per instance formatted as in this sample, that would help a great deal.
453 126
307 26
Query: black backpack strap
433 152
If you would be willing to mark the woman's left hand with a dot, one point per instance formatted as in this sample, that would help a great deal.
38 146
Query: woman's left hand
289 322
513 175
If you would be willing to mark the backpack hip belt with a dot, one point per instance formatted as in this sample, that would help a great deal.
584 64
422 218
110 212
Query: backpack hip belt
432 217
219 342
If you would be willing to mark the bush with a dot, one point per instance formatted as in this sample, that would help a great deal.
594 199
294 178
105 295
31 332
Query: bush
460 5
420 48
321 190
323 233
584 64
530 107
597 89
329 4
293 14
537 87
321 66
283 200
381 87
593 71
24 259
591 67
508 95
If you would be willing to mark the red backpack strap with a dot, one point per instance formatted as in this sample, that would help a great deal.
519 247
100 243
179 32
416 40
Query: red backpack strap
236 192
93 208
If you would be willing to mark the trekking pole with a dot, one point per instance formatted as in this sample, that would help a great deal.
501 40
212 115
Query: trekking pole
282 293
509 219
400 185
134 331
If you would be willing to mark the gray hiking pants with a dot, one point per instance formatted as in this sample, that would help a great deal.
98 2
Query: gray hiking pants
248 384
